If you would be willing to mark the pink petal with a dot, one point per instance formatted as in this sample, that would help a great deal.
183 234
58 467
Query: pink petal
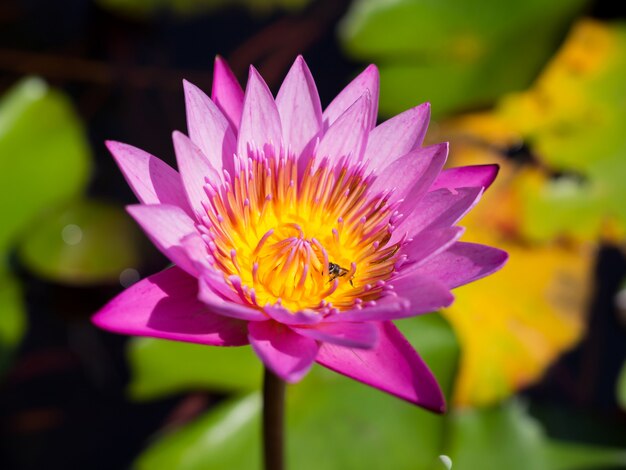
350 335
299 107
389 307
195 170
347 136
166 226
367 81
227 93
463 263
152 180
411 175
439 209
428 244
393 367
466 177
208 128
210 296
287 354
164 305
397 136
287 317
260 121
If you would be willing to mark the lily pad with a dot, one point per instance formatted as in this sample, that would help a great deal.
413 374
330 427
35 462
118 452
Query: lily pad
454 53
44 155
333 422
84 242
161 367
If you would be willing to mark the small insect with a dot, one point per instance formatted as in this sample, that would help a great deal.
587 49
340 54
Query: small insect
335 271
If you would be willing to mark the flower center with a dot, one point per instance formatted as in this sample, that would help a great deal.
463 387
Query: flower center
314 240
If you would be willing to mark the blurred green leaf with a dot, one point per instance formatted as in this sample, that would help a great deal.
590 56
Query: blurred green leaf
495 438
146 8
374 430
505 436
226 437
161 367
82 242
575 456
456 54
44 155
12 318
336 423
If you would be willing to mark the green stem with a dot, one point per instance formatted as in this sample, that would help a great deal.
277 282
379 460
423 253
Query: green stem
273 421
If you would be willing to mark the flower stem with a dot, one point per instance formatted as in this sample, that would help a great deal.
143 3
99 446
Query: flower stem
273 420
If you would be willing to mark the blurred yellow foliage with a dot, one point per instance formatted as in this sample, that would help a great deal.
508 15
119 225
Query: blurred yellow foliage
562 152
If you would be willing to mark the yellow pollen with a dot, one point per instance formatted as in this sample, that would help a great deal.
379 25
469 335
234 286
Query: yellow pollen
278 232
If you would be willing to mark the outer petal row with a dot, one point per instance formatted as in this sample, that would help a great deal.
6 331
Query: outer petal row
165 305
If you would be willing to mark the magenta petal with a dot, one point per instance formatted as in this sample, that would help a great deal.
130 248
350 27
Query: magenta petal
389 307
439 209
367 81
397 136
463 263
210 296
165 305
195 170
287 317
393 367
350 335
347 136
466 177
152 180
299 107
287 354
260 121
166 226
227 93
208 128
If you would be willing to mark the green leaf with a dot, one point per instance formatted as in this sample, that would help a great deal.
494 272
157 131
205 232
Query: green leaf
495 438
453 53
333 422
576 456
229 433
12 318
83 242
44 155
161 367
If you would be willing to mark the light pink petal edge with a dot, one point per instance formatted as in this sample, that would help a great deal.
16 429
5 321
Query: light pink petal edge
166 226
152 180
299 107
397 136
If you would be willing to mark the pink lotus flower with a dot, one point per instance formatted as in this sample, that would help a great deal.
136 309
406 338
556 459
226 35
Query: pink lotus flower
302 232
